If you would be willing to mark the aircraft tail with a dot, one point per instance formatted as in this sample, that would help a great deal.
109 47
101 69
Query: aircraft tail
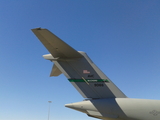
84 75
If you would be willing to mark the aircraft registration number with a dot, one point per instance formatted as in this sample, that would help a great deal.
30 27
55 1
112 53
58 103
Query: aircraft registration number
98 85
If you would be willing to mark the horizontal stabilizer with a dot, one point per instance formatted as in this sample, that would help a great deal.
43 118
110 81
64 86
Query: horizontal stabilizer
55 71
55 45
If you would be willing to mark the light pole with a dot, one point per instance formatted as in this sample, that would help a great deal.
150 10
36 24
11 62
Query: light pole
49 109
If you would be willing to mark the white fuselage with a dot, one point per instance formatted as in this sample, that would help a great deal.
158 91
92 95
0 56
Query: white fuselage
119 108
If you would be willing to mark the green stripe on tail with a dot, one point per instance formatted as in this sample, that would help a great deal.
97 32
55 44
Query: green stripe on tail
88 80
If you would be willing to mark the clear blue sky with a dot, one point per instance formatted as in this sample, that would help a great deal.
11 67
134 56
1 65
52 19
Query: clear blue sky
122 37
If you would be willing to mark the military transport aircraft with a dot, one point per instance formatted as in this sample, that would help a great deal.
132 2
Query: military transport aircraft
103 99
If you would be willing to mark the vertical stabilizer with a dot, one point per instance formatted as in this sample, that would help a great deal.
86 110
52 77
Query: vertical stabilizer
81 72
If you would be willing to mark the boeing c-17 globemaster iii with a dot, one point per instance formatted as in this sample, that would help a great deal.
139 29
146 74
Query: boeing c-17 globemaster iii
103 99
